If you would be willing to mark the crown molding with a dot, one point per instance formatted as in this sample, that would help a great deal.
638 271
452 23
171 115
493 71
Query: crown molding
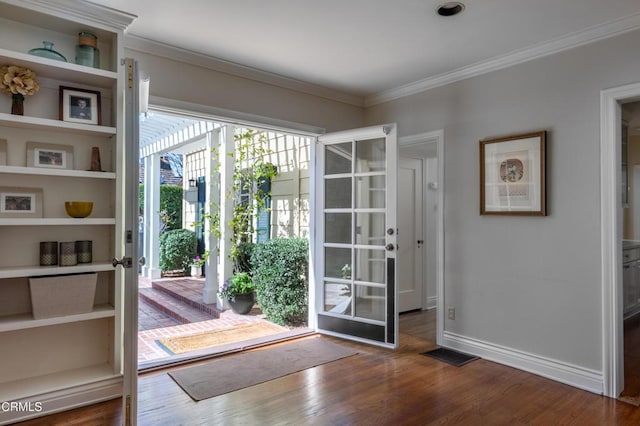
80 10
156 48
580 38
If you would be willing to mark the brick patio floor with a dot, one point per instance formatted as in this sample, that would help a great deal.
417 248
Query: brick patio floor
154 324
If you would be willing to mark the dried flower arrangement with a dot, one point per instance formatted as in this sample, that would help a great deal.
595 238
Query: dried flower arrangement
18 80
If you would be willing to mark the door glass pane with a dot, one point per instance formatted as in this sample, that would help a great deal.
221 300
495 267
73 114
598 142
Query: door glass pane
370 192
337 193
369 265
337 158
370 229
337 298
369 302
337 228
370 155
337 262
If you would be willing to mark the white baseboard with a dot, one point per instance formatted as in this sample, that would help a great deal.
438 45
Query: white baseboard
573 375
432 302
67 399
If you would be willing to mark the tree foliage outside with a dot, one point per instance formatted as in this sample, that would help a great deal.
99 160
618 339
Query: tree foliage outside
170 206
281 278
177 250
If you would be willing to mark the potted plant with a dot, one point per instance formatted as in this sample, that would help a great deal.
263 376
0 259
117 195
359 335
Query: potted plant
239 292
197 264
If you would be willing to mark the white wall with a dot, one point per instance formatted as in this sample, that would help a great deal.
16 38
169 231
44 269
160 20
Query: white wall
527 284
190 83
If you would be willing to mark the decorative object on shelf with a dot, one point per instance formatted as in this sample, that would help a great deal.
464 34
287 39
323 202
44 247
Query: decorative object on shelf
96 166
87 52
48 253
3 152
49 155
68 255
80 105
18 82
84 250
20 202
78 209
47 52
239 292
62 295
512 175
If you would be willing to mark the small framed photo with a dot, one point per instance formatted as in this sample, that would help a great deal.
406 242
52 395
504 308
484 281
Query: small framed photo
80 105
20 202
512 175
49 155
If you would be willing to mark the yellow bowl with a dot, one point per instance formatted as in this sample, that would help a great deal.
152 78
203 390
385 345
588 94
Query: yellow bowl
78 208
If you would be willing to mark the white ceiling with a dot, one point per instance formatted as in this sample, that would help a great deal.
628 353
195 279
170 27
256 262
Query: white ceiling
368 47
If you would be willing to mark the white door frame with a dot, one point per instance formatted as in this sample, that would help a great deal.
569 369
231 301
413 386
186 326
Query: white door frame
611 234
436 137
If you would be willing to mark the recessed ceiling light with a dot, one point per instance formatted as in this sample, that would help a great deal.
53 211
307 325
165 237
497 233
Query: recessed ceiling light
450 8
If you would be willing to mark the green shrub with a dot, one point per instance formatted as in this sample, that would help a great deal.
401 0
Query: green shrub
170 205
177 250
281 277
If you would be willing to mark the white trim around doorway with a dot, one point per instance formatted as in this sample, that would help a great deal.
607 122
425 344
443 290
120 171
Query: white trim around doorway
436 137
611 235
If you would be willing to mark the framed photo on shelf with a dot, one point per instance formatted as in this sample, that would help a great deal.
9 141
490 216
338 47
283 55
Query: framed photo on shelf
49 155
512 175
80 105
20 202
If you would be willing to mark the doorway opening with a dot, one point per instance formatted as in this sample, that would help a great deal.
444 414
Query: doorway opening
181 315
613 193
630 197
421 284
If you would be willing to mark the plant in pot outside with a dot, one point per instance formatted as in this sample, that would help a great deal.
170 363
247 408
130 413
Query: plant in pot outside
239 291
197 263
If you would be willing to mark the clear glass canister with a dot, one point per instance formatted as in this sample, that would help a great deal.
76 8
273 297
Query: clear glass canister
47 52
87 52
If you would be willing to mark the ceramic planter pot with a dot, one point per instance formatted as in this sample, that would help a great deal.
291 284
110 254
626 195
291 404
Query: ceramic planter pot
242 303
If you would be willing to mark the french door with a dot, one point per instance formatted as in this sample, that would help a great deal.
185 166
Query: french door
128 247
355 235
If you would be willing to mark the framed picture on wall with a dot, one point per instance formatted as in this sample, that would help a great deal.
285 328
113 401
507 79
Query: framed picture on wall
512 175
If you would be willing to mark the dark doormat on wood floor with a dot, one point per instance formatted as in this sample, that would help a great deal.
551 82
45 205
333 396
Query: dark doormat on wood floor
455 358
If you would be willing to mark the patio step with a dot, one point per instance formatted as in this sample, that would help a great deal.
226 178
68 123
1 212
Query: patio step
187 291
174 307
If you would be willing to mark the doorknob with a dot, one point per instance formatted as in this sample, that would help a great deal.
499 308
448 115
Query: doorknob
142 261
389 247
126 262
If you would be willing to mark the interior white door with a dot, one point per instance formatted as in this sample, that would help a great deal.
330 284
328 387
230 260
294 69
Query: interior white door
410 238
355 236
127 255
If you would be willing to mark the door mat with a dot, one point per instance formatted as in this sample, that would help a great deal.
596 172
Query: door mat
455 358
193 342
239 371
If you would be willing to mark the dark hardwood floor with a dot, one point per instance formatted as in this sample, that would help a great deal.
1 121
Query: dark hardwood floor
376 387
632 358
